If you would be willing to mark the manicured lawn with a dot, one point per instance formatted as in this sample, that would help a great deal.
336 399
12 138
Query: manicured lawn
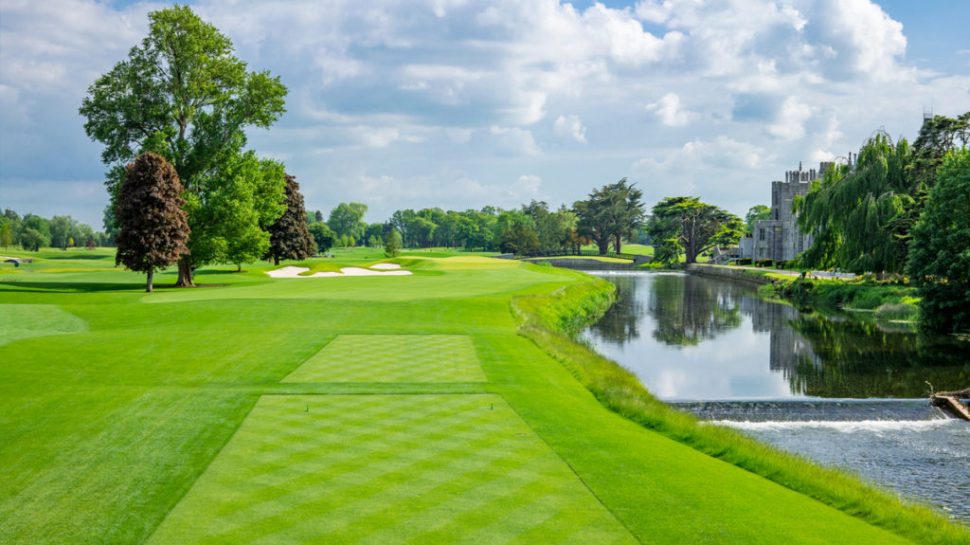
388 469
638 249
604 259
392 358
191 415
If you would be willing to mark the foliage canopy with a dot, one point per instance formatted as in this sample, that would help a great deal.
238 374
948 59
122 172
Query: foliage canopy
939 256
289 236
153 225
183 94
685 225
611 213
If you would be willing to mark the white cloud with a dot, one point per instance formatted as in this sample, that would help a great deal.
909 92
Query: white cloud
669 111
570 127
514 141
56 47
790 123
380 137
831 135
860 36
720 153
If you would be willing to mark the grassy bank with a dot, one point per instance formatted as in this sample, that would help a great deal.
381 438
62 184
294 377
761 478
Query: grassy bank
888 301
551 321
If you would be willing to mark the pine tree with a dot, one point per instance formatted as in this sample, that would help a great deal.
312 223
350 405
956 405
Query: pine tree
153 227
289 237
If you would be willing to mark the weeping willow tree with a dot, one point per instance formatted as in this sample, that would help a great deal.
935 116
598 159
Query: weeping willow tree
862 215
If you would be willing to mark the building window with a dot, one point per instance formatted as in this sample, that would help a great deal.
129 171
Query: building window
761 233
776 213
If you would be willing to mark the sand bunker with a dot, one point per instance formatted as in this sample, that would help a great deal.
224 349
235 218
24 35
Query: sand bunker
386 266
294 272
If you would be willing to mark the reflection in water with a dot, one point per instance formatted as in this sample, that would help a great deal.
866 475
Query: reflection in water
622 322
862 359
764 367
712 339
691 310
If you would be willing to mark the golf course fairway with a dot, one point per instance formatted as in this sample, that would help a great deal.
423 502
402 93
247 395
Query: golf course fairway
372 410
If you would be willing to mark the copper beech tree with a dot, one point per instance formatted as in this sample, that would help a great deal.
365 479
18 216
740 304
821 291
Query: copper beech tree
153 227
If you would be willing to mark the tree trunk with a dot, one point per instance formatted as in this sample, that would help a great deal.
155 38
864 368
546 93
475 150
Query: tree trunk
276 260
238 267
604 245
690 254
185 273
616 244
149 286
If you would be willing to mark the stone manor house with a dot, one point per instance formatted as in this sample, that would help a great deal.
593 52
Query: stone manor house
779 238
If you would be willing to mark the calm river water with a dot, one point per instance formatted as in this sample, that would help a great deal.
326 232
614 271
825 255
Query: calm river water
842 391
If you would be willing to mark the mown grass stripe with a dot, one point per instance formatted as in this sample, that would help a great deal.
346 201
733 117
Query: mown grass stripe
386 469
392 358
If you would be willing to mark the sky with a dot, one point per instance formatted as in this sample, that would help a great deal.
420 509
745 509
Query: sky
461 104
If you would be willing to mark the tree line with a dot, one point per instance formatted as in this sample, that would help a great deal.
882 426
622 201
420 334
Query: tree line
33 232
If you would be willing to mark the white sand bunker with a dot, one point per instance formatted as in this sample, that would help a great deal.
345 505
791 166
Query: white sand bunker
294 272
386 266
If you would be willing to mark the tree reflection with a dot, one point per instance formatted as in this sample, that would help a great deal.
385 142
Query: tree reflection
689 309
857 358
621 323
822 356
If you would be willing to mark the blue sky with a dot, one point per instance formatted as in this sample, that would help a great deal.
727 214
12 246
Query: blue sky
459 104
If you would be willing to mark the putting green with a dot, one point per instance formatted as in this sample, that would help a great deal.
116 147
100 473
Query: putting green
26 321
392 358
384 470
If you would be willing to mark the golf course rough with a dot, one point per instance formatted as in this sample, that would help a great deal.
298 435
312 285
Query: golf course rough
173 417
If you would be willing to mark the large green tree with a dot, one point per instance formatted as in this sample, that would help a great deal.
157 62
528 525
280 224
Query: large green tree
33 240
347 220
324 237
153 224
862 215
554 227
685 225
517 233
939 256
611 214
64 231
936 138
244 196
183 94
756 213
6 232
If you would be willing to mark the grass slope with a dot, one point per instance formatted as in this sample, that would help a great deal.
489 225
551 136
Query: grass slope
106 431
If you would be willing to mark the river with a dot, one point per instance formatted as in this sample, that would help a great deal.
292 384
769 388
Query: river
842 390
